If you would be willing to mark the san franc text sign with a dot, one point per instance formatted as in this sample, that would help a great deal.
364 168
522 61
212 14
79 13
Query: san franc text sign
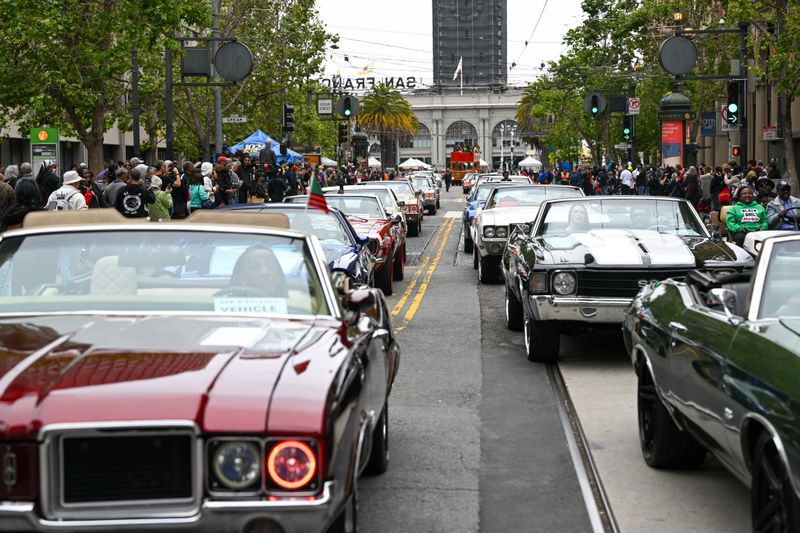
355 84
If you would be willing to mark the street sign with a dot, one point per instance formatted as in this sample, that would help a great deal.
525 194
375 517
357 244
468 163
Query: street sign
633 106
708 124
623 146
770 132
325 106
234 119
44 145
726 126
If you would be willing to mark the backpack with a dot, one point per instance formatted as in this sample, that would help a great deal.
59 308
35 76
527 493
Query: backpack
61 203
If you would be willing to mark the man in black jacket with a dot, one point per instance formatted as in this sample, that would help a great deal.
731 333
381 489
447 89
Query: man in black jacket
275 189
267 157
132 199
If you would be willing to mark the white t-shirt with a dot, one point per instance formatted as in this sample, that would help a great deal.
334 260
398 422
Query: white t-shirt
626 177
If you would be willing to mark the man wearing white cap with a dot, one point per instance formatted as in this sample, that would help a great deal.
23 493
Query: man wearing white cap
68 196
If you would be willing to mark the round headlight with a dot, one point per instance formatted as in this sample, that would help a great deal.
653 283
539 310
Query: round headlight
237 465
564 283
291 464
502 232
488 232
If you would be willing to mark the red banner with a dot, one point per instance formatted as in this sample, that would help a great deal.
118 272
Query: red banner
672 142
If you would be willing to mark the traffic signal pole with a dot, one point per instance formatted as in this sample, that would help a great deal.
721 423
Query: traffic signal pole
743 137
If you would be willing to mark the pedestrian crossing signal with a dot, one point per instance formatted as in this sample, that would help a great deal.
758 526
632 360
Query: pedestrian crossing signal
736 151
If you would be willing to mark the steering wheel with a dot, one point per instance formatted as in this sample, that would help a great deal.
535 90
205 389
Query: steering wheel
242 291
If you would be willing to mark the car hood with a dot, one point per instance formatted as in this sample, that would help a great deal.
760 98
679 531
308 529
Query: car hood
637 248
367 227
506 216
219 372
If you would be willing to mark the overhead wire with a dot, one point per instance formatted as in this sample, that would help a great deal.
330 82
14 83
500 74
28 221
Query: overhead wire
528 40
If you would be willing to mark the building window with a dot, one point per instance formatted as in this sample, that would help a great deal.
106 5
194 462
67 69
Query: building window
503 131
421 140
460 134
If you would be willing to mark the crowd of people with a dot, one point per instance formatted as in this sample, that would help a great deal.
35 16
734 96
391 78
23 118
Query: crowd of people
160 191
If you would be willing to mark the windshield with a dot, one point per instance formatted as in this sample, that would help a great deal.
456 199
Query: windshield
781 295
384 195
325 226
528 196
482 193
400 187
356 206
421 183
158 271
675 218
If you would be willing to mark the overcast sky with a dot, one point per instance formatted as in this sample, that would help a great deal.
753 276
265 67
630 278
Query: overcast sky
397 36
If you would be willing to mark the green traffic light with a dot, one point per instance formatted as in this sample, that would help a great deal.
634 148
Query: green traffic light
594 110
626 131
733 107
347 112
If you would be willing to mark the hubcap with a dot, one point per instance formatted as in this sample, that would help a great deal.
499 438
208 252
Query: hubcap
527 335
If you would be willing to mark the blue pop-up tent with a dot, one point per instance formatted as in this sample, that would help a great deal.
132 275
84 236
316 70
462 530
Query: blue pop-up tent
256 142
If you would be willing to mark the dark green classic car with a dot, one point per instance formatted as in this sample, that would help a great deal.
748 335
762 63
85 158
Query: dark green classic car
718 369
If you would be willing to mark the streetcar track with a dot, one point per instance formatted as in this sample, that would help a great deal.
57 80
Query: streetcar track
594 494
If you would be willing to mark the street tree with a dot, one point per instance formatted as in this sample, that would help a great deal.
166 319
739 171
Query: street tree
385 112
67 64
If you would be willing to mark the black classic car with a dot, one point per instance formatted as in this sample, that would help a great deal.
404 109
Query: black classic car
585 259
717 363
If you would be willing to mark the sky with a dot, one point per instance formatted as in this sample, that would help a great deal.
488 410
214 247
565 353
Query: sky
396 36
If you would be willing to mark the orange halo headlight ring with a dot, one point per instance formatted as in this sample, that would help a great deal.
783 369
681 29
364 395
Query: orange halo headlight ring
291 464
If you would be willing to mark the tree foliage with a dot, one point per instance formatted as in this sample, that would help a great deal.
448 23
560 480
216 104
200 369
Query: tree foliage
386 112
66 63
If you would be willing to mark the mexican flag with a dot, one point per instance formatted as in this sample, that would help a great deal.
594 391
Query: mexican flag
316 200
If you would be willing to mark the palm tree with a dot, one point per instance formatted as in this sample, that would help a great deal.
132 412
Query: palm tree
384 110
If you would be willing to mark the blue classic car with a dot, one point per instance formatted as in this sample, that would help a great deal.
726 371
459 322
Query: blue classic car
344 249
475 201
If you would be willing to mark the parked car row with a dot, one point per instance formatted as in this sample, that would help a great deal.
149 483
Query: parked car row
710 330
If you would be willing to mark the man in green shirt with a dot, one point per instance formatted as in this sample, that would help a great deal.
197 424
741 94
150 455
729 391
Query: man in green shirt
745 215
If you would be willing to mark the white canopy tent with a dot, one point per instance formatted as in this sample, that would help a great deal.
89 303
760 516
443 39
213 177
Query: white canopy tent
530 162
329 162
413 164
483 164
374 163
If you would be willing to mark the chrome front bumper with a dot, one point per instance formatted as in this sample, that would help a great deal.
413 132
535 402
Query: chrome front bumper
294 516
579 309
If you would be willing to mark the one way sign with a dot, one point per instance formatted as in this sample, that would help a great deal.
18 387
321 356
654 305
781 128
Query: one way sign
727 126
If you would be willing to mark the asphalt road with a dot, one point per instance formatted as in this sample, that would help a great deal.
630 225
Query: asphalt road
476 440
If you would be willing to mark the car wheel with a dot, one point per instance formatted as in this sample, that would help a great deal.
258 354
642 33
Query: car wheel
383 279
488 269
774 506
413 229
379 455
475 258
467 243
515 318
400 264
542 340
664 444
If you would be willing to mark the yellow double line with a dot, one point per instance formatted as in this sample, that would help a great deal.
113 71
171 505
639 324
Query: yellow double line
426 275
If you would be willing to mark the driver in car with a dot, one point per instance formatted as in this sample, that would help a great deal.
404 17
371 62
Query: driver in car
782 212
578 218
257 273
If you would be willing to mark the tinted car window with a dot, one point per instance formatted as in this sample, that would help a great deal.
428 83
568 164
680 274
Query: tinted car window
158 271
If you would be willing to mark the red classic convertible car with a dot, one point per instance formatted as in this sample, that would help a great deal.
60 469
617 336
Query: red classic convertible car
386 235
207 375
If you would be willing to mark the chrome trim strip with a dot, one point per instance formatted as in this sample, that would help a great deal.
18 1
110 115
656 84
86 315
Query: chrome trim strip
760 274
324 498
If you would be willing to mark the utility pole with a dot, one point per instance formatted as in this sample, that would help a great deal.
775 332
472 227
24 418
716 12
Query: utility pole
135 109
168 105
743 137
217 90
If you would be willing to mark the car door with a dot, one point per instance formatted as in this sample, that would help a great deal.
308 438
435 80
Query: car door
700 340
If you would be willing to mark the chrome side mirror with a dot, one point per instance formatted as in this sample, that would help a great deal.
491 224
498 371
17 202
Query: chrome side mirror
341 282
727 298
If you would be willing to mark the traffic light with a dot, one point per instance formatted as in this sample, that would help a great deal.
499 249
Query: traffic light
347 106
288 117
627 129
594 104
342 133
736 151
733 103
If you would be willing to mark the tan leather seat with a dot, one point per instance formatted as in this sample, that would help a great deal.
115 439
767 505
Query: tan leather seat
38 219
110 279
240 218
723 214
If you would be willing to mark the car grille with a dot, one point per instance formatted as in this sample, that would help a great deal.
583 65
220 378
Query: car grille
126 468
620 283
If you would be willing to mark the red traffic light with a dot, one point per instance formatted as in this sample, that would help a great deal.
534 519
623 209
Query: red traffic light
736 151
